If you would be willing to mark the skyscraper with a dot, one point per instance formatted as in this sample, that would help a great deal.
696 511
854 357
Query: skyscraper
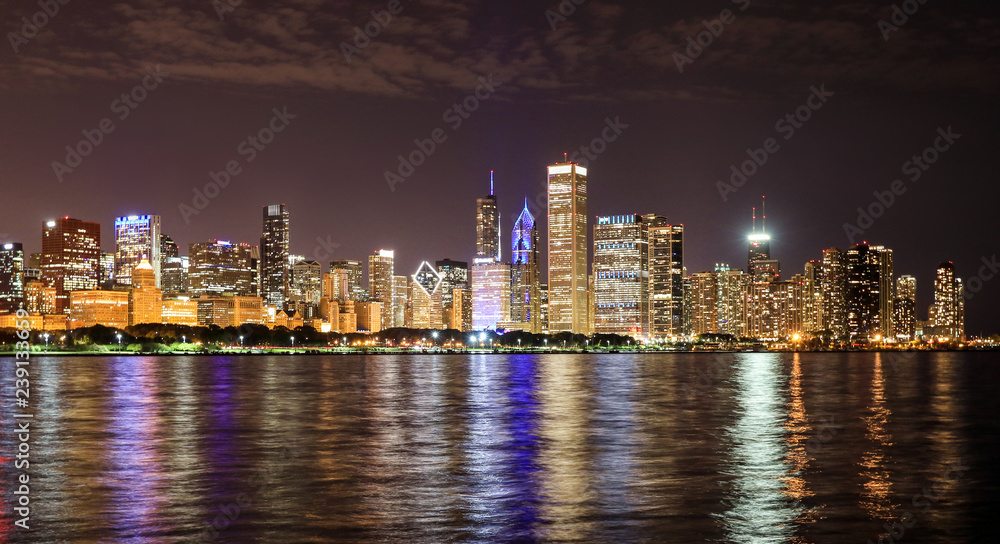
525 298
905 310
400 300
145 300
427 298
306 287
71 257
274 266
219 267
488 226
869 293
621 276
703 303
137 237
173 267
567 225
380 284
730 297
344 281
454 275
834 282
666 278
949 300
11 277
490 295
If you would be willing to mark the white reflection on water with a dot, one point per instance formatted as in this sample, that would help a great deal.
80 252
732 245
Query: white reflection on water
760 511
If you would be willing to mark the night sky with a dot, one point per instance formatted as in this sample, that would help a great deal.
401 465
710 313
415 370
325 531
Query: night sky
558 89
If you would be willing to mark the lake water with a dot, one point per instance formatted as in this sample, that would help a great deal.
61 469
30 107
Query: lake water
745 448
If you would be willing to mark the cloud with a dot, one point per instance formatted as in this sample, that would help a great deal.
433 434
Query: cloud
604 51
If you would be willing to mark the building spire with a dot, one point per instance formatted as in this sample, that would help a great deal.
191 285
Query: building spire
763 221
491 182
755 219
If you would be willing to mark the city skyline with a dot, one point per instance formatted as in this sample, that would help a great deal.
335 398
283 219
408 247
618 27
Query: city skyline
292 119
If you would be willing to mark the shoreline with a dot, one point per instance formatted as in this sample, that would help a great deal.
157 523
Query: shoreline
313 352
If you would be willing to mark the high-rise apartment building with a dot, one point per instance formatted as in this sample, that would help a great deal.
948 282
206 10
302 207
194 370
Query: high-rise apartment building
380 284
274 265
949 304
137 237
666 278
11 277
621 276
731 296
219 267
834 285
703 303
905 308
869 293
567 229
400 300
71 257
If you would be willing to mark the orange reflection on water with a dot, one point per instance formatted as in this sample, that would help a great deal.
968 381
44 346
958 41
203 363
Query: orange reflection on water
876 493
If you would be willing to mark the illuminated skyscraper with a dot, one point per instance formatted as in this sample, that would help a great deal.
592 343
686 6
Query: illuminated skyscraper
731 297
869 293
567 224
274 265
905 309
490 295
834 283
173 267
344 281
400 300
305 288
380 284
71 257
11 277
666 278
488 226
145 300
525 298
137 237
621 276
949 304
454 275
219 267
427 298
703 303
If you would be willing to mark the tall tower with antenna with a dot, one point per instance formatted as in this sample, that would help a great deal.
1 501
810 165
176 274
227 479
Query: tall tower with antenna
488 226
759 263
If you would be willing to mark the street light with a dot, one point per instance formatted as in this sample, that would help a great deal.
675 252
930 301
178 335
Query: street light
119 342
241 342
293 342
46 336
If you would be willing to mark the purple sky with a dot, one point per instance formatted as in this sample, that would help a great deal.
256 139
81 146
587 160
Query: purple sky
557 88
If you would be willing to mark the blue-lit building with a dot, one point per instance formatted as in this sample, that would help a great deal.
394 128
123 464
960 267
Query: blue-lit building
525 294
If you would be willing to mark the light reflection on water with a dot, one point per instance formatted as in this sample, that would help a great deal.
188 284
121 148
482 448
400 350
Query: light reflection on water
487 448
